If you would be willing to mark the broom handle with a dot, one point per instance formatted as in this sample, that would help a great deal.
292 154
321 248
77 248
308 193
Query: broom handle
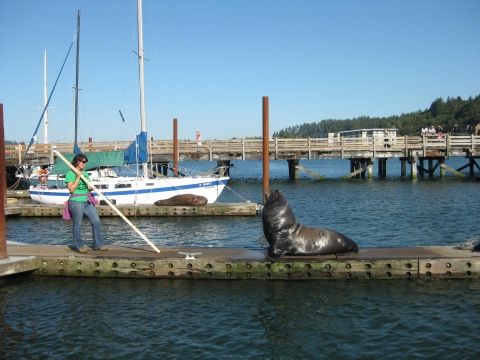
109 203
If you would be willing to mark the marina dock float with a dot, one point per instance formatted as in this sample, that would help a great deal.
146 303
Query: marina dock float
215 209
429 262
19 194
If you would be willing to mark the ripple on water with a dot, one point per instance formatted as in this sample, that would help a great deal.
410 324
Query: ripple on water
102 318
60 318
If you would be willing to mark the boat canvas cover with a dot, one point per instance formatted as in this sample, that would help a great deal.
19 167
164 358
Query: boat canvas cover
137 152
95 159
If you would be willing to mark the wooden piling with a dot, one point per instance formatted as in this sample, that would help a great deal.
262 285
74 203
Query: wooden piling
370 169
293 169
175 147
3 187
266 169
403 166
413 164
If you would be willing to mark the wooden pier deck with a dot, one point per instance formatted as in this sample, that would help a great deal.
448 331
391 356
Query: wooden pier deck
161 151
429 262
361 152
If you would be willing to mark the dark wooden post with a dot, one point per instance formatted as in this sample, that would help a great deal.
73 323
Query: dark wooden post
3 186
403 167
175 147
293 172
266 173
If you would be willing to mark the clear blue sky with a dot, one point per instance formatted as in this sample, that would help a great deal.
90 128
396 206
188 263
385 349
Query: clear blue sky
212 61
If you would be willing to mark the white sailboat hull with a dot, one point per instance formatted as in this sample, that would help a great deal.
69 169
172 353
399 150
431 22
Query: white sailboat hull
140 191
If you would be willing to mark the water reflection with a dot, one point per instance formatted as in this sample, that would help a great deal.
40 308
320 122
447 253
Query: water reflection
143 319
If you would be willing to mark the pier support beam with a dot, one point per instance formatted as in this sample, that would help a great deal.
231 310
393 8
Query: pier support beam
413 162
442 169
223 167
421 166
403 166
162 168
293 171
357 168
471 165
382 167
430 167
360 168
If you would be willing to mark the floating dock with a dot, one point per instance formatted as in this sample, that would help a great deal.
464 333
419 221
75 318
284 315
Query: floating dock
215 209
430 262
21 194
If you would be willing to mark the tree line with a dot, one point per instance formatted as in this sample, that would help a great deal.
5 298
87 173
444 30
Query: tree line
447 114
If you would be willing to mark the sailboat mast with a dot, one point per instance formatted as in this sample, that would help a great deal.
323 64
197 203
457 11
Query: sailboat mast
141 77
45 117
75 146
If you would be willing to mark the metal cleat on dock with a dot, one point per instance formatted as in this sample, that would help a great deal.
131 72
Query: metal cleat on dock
189 256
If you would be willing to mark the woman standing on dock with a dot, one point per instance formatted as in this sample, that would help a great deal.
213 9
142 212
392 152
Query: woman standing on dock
80 203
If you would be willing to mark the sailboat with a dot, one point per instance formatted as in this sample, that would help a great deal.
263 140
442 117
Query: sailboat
39 174
137 190
35 174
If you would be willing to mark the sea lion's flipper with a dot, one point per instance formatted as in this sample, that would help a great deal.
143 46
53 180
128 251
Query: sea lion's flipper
348 252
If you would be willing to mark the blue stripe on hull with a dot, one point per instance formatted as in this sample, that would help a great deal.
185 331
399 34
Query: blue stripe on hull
138 192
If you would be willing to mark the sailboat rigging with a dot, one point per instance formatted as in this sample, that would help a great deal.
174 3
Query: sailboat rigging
76 149
21 172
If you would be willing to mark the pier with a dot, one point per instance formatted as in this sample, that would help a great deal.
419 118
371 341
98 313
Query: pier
430 262
424 154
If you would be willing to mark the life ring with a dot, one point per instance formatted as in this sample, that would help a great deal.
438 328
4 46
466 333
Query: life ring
42 176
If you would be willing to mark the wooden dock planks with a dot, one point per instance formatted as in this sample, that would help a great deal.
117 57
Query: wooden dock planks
430 262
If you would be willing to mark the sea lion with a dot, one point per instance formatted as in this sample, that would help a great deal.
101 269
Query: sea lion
286 236
476 248
184 199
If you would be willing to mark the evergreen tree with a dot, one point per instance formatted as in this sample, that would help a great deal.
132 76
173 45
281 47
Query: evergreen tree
453 111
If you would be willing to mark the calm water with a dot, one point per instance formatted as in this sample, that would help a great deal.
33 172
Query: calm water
173 319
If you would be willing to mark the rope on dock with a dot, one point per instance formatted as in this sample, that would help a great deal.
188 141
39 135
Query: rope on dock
14 186
240 196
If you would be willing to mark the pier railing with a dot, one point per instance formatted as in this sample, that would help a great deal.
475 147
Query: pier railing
252 149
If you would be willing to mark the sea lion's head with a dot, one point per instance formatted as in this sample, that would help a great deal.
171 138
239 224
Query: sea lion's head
277 215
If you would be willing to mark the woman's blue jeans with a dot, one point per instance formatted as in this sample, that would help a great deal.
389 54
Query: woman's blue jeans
77 210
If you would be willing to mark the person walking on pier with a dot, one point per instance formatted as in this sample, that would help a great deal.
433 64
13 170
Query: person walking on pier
385 135
198 138
80 203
